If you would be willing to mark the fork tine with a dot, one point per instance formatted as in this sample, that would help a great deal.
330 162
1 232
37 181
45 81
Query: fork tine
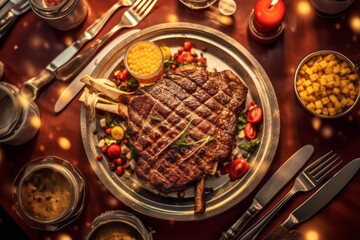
142 4
322 164
321 175
147 8
318 162
136 3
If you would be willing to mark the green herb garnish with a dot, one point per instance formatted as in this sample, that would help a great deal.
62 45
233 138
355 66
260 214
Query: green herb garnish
241 121
181 142
250 146
157 118
132 82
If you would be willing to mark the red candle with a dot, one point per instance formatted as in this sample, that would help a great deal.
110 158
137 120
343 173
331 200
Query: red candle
268 15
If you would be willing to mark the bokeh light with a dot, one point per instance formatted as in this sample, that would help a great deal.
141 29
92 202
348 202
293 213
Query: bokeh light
311 235
172 18
355 24
304 8
64 143
63 236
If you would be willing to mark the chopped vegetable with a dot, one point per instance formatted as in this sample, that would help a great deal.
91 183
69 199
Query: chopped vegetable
117 133
250 131
250 146
241 122
254 114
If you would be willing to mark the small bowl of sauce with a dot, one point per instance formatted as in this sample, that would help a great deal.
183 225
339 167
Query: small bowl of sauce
49 193
117 225
144 61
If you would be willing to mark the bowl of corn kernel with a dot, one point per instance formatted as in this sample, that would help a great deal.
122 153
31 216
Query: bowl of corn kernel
327 84
144 61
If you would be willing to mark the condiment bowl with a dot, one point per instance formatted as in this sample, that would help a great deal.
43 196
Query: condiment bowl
326 83
49 193
117 225
144 61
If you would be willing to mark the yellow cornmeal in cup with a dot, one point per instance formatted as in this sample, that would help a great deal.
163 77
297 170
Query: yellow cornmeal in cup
46 194
144 58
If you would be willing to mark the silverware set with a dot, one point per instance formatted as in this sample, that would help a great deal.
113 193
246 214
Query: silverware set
9 12
310 178
33 85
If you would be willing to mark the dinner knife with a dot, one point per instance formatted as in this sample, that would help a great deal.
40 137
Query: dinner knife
278 180
76 85
318 200
32 86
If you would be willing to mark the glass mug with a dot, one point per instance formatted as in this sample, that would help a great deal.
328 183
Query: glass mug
61 14
330 7
197 4
20 118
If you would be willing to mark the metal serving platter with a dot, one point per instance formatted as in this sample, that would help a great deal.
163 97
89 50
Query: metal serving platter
222 52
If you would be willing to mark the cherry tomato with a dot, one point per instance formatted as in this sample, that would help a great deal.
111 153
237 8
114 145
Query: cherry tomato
181 50
126 142
104 149
188 45
99 157
113 151
252 103
225 169
118 161
250 131
108 131
120 170
186 57
238 168
202 60
254 115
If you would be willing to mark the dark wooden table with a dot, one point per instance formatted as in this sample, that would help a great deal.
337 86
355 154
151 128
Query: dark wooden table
32 44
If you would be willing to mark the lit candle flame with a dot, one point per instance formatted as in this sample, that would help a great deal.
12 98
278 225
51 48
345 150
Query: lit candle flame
273 2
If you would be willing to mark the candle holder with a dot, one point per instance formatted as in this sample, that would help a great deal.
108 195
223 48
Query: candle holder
260 35
266 20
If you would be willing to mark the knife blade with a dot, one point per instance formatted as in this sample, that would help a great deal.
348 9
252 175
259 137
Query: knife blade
278 180
318 200
76 85
32 86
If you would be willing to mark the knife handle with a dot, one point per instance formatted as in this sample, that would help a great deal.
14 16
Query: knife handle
33 85
239 225
255 229
6 24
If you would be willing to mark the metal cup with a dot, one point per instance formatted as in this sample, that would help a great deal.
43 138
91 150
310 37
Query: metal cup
63 15
20 119
197 4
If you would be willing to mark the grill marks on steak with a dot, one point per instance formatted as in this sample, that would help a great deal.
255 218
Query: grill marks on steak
211 101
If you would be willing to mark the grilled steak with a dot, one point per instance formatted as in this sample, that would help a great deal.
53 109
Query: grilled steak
184 124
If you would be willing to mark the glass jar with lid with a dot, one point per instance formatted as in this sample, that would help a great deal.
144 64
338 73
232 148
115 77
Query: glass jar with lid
61 14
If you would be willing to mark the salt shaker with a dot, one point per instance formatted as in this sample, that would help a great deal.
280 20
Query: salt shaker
61 14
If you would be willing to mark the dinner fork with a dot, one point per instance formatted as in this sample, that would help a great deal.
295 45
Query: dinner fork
307 180
139 10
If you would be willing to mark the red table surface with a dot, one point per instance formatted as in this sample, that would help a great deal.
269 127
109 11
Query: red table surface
32 44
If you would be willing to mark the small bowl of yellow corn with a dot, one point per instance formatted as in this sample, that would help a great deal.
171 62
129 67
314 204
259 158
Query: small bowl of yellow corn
326 83
144 61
